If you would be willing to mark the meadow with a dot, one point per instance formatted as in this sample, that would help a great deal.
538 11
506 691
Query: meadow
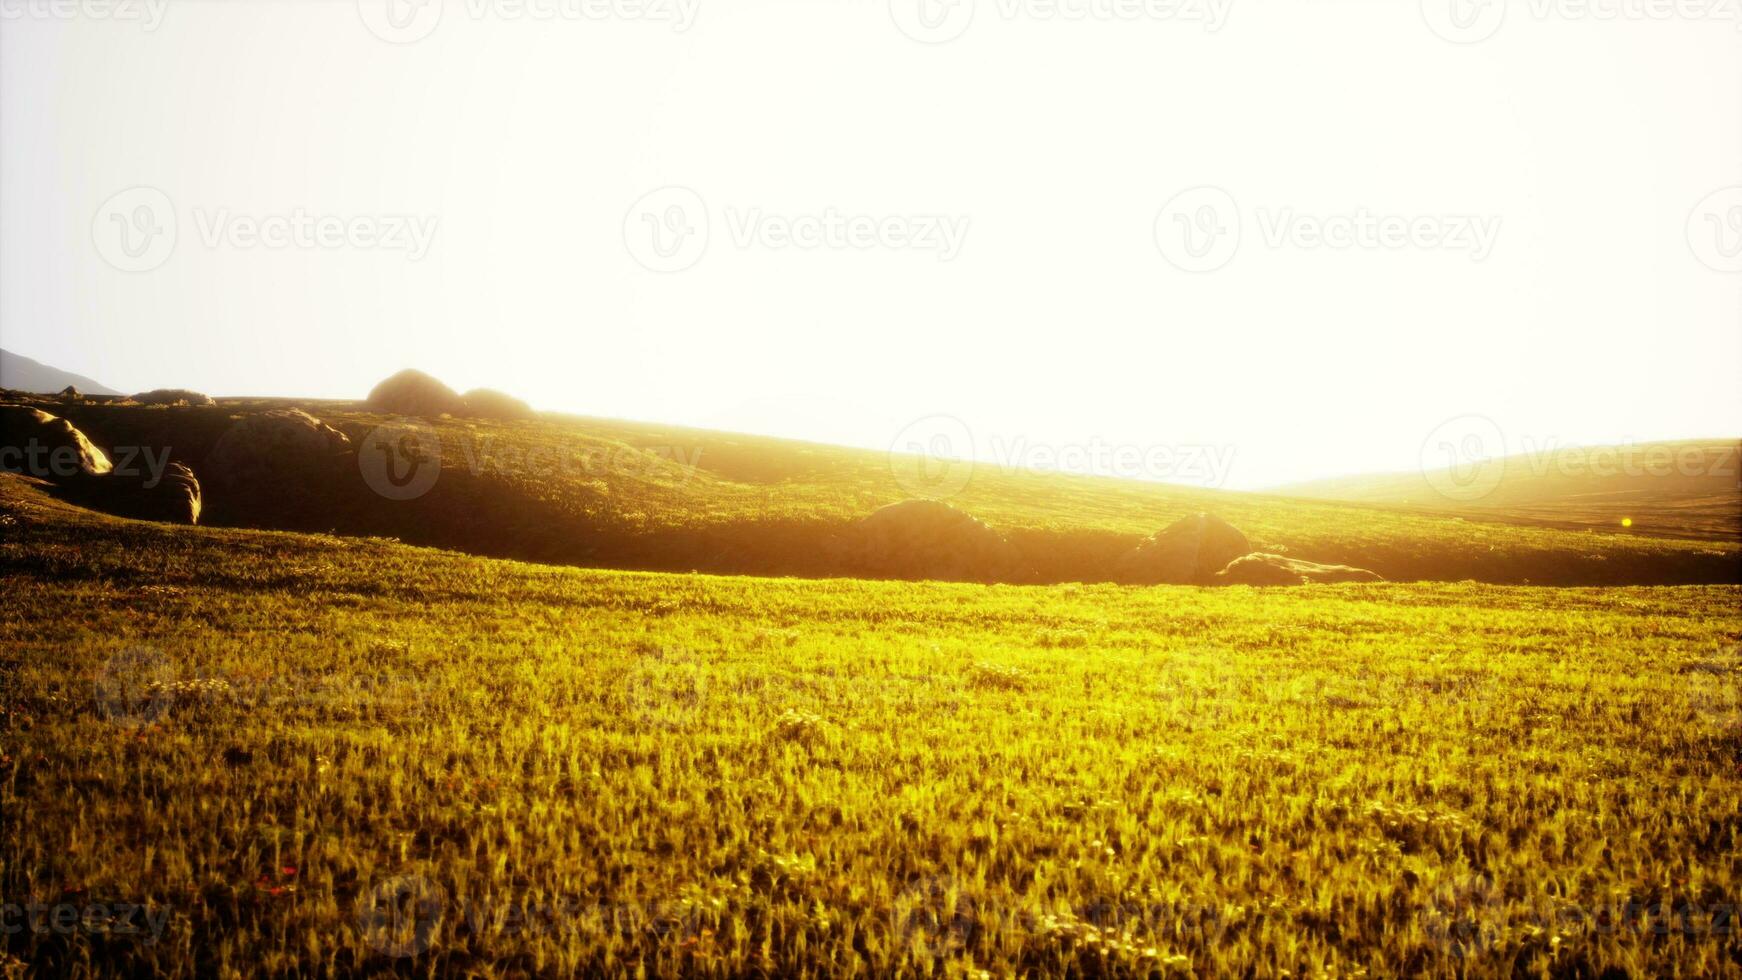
304 754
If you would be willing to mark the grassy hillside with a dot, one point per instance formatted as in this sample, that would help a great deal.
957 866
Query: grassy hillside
1687 489
274 742
625 495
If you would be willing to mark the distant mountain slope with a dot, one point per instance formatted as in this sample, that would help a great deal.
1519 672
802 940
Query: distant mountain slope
1688 489
20 373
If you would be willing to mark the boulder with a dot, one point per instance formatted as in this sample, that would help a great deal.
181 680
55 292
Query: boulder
47 446
932 540
172 496
1189 551
174 396
1260 568
286 446
482 403
412 392
71 391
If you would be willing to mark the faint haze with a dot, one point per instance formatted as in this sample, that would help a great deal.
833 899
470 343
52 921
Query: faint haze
1020 227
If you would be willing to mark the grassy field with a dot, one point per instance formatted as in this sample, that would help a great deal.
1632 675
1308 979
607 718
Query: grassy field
627 495
303 754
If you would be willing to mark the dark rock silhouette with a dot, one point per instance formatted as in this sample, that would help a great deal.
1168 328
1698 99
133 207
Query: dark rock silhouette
174 396
172 497
283 447
46 446
482 403
1188 551
412 392
930 539
1260 568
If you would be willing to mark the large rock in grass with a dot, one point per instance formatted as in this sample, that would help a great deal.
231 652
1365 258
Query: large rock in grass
1189 551
33 441
172 496
412 392
174 396
929 539
272 450
482 403
1266 569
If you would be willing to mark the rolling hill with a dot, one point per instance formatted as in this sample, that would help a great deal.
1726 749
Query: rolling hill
614 494
1690 488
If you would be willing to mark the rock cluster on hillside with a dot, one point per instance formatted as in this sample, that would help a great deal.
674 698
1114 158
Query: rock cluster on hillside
51 448
412 392
1190 551
276 448
174 396
929 539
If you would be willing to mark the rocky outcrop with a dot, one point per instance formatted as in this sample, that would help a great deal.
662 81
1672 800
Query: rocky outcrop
482 403
42 445
1189 551
285 447
174 396
1267 569
929 539
172 496
412 392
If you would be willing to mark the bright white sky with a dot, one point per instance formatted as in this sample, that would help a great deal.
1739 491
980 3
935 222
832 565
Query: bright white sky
1059 322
